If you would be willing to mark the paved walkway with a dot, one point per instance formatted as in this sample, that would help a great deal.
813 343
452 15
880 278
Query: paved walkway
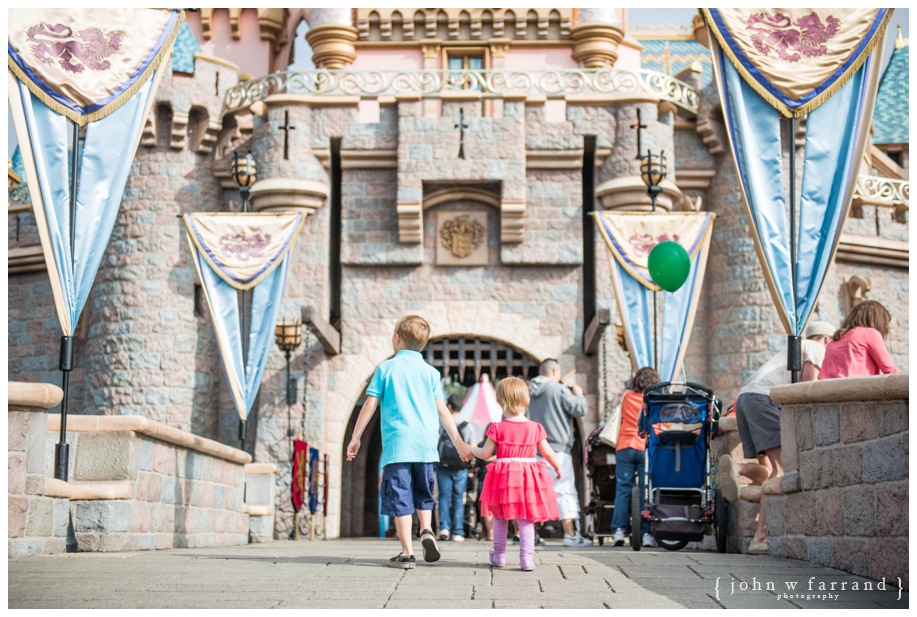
354 574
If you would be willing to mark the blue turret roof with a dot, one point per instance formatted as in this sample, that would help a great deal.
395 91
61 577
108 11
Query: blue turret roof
681 54
891 113
184 49
18 167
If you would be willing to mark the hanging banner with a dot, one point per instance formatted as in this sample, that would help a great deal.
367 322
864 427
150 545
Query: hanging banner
298 487
840 78
630 237
233 252
313 480
86 63
60 59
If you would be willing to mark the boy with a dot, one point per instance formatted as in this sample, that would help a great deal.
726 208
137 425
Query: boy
409 390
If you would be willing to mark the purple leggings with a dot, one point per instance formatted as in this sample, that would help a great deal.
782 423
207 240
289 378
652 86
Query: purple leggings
526 543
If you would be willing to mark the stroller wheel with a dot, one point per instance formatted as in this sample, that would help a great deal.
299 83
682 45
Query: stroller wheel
636 519
720 520
673 545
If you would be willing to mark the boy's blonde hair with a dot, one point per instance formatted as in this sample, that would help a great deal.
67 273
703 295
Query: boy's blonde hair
414 331
512 396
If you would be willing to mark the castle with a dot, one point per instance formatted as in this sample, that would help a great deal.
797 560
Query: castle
415 119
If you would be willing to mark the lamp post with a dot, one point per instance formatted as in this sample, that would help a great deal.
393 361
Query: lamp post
243 171
288 337
653 172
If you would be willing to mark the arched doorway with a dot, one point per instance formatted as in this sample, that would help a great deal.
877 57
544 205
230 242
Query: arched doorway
360 481
464 359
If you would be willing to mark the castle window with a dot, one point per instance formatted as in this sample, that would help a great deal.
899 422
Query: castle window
464 59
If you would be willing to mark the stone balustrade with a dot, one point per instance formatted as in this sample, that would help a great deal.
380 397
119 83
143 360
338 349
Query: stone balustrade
598 83
843 501
135 484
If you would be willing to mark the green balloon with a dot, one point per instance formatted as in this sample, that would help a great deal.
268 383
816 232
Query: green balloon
669 265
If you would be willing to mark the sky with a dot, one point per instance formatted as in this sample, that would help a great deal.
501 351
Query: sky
656 16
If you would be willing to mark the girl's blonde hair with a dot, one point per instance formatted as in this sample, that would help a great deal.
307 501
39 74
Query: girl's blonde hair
512 396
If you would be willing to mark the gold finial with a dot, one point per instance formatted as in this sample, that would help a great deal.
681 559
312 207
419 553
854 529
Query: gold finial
900 41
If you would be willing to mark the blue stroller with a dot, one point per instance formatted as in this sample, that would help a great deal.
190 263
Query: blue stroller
682 503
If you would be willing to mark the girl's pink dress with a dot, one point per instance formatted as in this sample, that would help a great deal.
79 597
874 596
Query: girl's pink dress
521 490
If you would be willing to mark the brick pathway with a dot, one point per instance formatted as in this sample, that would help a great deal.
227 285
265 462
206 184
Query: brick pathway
353 574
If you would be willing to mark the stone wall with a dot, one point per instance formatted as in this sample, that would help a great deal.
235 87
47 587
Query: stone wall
38 507
843 502
135 484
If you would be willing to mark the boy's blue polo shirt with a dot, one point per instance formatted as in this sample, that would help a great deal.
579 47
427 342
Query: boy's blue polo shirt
407 389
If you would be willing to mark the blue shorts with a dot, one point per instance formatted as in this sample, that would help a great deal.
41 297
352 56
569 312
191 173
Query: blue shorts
406 487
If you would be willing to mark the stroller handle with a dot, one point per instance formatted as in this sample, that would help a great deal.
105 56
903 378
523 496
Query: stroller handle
666 384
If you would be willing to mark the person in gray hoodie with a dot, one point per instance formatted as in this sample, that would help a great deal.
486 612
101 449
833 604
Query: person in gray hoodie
554 405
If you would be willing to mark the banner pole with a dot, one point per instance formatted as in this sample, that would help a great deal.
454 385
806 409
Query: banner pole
242 427
793 341
62 449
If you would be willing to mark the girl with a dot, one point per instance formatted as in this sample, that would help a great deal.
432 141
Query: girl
858 348
517 486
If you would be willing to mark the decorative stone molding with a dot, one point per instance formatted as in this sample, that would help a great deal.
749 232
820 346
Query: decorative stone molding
693 178
332 45
148 135
375 25
873 251
629 193
179 134
410 223
364 159
151 428
878 191
512 222
461 193
856 289
25 259
430 50
206 134
40 395
284 194
553 159
260 469
596 44
713 134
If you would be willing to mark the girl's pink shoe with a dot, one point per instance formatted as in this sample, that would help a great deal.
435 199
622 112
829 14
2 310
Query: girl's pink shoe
497 560
527 566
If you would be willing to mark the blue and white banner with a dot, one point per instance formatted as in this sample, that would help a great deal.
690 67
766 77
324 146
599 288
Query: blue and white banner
234 252
837 131
86 63
630 237
104 161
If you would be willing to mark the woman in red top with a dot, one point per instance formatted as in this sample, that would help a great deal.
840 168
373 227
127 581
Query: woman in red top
629 456
858 348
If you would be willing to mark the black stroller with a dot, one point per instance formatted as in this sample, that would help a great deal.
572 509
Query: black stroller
682 500
600 464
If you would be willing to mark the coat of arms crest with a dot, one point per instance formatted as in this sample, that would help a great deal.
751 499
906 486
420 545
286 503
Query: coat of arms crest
462 236
73 51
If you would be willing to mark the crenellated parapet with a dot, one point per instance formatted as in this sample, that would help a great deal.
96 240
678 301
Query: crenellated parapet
188 111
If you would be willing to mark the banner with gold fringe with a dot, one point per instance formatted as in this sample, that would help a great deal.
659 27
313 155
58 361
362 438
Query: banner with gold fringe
237 252
629 237
798 58
839 111
85 63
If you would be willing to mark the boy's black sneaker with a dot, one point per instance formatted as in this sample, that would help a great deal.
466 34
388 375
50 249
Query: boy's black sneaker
430 549
405 562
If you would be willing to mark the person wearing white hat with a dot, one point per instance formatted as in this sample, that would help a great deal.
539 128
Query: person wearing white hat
758 421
